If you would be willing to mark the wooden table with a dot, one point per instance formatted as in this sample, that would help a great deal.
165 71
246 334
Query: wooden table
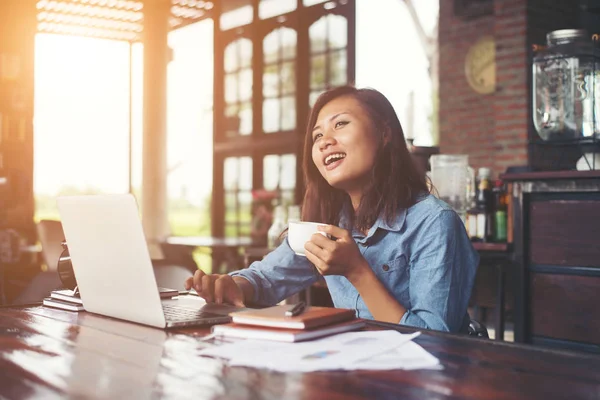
46 353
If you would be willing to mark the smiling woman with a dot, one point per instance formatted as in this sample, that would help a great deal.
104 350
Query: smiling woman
387 248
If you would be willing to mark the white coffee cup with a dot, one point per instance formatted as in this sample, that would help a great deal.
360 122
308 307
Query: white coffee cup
300 232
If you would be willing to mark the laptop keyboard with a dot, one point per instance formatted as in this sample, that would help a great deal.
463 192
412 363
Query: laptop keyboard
177 313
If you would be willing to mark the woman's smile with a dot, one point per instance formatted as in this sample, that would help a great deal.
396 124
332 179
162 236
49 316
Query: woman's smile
333 160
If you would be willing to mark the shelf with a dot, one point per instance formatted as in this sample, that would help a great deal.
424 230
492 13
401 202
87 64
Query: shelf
545 175
479 246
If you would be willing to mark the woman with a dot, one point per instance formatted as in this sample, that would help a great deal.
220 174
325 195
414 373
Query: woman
398 255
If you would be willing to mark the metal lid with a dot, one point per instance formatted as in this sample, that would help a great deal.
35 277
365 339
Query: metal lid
484 172
565 35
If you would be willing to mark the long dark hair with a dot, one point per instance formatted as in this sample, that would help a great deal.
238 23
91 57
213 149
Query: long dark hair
395 181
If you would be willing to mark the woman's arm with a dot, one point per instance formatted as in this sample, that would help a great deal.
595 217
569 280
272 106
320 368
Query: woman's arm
246 287
382 305
442 271
342 257
279 275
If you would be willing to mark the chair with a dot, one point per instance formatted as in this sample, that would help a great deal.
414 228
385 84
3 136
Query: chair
50 234
478 329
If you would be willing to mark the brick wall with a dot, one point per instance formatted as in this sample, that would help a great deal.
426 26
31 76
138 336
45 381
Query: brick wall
494 129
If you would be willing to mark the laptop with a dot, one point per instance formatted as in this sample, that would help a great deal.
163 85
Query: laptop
113 268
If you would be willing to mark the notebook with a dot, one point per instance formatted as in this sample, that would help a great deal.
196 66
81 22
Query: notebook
71 297
274 317
113 269
284 335
62 304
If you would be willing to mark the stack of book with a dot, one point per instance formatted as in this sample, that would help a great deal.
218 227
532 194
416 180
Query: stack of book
65 299
272 323
69 300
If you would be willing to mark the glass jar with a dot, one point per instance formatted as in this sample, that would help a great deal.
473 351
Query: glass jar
453 179
566 86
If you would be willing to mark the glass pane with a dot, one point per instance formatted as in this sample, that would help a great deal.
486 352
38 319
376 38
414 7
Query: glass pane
288 113
288 77
245 48
271 80
288 171
271 115
271 8
288 43
313 97
236 17
230 207
232 120
271 47
338 31
245 212
230 231
232 110
231 88
271 172
312 2
317 71
287 197
230 173
318 35
231 57
245 173
246 119
246 227
337 68
245 85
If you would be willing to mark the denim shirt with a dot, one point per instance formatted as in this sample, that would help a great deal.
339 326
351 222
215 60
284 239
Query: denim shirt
424 258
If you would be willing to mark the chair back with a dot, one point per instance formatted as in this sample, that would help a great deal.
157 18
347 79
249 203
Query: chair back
50 234
478 329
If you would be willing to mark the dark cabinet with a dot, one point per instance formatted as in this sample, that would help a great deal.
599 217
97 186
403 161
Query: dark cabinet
556 228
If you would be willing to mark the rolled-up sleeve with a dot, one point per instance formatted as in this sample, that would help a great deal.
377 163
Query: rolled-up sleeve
279 275
442 270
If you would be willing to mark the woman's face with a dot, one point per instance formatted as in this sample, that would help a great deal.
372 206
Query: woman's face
344 144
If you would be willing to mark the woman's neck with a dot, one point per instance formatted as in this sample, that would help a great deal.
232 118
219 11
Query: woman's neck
355 198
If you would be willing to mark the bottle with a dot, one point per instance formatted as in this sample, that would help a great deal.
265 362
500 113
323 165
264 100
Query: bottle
279 224
471 213
500 208
484 207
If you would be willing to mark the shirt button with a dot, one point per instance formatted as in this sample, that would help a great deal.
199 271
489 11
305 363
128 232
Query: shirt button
385 267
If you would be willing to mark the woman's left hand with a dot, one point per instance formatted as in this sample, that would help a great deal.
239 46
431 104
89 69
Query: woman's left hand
335 257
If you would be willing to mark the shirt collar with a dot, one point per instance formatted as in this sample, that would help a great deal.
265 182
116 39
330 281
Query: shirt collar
394 225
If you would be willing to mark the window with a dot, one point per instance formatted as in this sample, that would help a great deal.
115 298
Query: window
279 81
268 69
272 8
238 88
235 17
238 196
189 129
328 54
280 175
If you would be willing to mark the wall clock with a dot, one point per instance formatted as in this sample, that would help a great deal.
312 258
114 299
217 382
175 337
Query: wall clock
480 66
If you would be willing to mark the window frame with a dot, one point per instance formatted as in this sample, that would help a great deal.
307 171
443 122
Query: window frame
258 144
